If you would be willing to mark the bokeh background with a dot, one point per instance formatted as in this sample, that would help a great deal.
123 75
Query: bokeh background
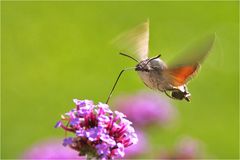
53 52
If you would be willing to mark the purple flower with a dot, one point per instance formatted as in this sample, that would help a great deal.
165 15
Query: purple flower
98 132
119 151
187 148
74 122
146 108
93 133
103 150
104 108
67 141
108 140
81 132
142 147
58 124
82 103
50 149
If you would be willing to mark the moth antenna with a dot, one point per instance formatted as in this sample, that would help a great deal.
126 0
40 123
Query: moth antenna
111 92
153 59
123 54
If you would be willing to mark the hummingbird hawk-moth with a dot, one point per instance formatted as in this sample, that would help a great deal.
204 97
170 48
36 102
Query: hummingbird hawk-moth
155 73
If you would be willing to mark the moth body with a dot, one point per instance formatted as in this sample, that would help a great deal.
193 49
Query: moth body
151 73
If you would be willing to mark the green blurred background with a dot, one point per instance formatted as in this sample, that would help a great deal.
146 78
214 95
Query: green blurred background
53 52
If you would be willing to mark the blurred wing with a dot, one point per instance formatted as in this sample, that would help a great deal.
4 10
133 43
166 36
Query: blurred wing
135 41
180 75
186 66
196 53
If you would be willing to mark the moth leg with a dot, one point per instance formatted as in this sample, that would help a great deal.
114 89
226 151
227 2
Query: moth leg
169 95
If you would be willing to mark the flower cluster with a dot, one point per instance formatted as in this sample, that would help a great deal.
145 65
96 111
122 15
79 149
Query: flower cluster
99 132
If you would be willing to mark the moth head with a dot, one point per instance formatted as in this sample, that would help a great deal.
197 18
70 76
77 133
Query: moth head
151 63
143 66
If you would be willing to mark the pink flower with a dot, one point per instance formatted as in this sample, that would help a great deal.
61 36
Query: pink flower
142 147
186 148
50 149
146 108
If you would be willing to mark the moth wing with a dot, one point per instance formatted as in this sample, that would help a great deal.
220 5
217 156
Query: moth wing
195 53
185 67
135 41
179 76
